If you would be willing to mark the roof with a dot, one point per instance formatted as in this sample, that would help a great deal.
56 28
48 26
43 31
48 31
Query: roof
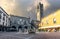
3 10
19 16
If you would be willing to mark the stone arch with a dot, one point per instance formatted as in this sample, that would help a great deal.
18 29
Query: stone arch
20 27
13 26
26 27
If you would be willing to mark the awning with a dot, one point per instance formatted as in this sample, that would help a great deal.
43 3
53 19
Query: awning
55 26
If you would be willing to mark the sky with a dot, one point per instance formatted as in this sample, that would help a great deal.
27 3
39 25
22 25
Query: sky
27 8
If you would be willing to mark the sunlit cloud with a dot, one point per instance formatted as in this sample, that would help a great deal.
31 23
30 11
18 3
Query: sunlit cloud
23 7
8 5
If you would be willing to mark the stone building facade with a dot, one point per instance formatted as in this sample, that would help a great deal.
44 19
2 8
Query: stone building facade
4 19
19 22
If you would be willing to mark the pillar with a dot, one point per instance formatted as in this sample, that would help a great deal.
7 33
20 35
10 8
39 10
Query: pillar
17 28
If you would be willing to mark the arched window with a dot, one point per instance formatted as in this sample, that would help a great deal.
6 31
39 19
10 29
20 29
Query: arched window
54 20
26 27
47 21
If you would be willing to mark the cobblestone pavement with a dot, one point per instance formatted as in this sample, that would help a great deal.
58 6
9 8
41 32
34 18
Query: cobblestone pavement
47 35
14 35
41 35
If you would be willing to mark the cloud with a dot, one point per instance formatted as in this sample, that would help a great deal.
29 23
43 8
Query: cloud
28 7
17 7
8 5
54 5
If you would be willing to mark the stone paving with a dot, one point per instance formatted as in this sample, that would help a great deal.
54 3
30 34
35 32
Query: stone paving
41 35
48 35
14 35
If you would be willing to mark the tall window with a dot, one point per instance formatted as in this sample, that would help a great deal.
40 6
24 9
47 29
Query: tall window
24 22
0 16
47 21
3 16
3 23
54 20
1 11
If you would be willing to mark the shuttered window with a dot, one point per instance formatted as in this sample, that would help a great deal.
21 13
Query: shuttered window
0 16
